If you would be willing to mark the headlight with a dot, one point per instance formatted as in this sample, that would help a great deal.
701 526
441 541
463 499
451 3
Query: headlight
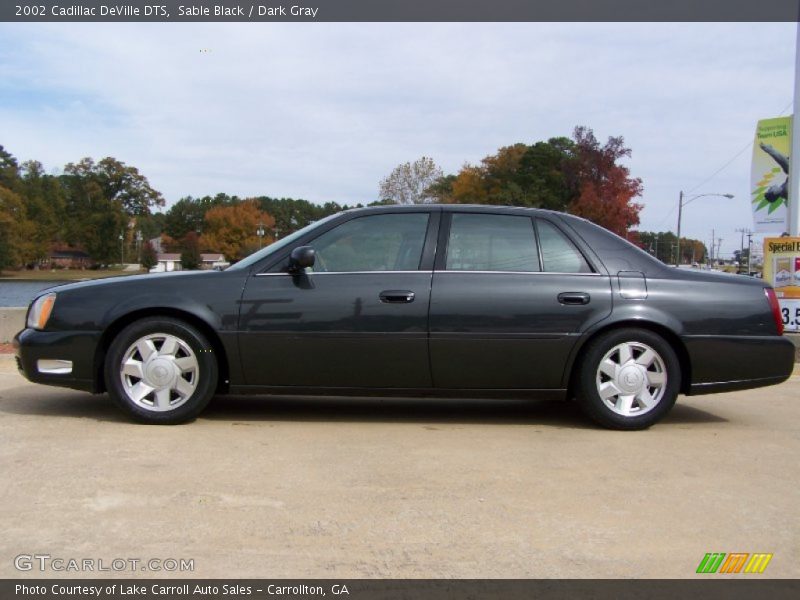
40 311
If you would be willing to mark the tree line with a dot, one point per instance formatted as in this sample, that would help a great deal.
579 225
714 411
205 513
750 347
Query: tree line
88 206
108 208
578 175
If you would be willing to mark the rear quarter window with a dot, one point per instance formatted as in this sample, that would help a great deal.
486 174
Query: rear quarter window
559 254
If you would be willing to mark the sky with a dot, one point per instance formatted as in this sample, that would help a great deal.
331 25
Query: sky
324 111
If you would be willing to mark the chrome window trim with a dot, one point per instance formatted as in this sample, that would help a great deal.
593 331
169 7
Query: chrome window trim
437 272
343 273
524 273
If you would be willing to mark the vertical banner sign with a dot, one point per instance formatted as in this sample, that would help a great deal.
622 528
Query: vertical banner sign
770 174
782 271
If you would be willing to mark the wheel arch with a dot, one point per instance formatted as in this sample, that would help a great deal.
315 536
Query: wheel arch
665 332
126 319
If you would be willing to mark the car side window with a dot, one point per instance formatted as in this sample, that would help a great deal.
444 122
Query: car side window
385 242
485 242
559 254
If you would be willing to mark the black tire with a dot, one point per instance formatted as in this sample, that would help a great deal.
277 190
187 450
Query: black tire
586 379
203 377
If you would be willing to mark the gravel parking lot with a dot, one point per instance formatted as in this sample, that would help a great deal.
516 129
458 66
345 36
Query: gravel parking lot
399 488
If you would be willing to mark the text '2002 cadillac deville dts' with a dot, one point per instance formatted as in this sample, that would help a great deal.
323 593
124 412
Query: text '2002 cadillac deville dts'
463 301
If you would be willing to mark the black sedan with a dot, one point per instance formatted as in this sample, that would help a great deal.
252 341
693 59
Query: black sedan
464 301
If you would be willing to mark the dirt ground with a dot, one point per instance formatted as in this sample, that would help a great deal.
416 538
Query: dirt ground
273 487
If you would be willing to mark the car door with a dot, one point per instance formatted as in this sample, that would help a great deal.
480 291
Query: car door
358 318
511 296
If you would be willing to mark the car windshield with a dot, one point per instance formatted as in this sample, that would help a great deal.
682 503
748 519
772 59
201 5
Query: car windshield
248 261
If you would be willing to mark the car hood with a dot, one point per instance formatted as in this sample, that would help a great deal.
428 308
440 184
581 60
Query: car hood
148 279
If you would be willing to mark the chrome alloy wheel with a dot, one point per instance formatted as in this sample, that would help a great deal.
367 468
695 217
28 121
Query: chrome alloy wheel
631 379
159 372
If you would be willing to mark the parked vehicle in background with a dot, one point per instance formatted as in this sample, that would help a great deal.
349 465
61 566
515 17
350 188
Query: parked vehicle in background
478 301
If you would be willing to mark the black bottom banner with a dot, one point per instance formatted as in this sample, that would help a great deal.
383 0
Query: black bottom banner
416 589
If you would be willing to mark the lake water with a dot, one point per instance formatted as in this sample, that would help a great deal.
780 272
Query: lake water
20 293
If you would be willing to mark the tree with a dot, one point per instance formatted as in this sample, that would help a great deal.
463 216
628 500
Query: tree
9 169
408 183
149 256
292 214
663 245
170 244
185 215
576 175
93 222
119 183
190 257
188 213
518 175
604 190
232 229
441 190
470 186
151 225
692 251
45 204
101 199
17 232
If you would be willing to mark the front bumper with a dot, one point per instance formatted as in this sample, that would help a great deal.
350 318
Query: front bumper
729 363
44 357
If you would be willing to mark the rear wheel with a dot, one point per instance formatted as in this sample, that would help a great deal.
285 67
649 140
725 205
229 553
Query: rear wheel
161 370
628 379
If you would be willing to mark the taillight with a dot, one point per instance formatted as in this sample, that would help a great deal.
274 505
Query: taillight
776 308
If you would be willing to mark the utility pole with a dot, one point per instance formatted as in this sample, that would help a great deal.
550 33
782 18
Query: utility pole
793 205
749 234
749 251
680 211
713 237
260 233
719 248
680 214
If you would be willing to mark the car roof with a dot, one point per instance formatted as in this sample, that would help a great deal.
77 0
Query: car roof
484 208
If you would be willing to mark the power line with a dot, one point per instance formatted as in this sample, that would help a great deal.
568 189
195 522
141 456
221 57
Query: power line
735 156
722 168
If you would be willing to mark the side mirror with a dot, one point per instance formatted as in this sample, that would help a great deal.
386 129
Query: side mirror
301 258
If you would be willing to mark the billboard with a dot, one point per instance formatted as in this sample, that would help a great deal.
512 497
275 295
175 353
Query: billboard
782 271
769 174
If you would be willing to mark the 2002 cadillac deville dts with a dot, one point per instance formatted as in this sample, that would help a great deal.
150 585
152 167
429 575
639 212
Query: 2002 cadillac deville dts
465 301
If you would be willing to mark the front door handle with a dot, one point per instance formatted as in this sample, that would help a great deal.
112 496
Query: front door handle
574 298
396 296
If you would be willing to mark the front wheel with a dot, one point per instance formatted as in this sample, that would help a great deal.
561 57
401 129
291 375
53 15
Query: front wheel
628 379
161 370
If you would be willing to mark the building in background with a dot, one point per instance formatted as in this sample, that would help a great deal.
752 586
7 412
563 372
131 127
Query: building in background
170 261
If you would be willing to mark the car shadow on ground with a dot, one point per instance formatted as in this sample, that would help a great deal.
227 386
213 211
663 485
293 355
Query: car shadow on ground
238 409
395 410
420 410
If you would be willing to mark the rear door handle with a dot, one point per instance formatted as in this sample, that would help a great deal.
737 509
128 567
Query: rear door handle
396 296
574 298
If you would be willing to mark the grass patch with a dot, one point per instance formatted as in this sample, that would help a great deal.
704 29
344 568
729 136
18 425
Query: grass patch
64 274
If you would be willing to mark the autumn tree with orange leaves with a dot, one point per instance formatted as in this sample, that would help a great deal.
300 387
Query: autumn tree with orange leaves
577 175
604 190
232 229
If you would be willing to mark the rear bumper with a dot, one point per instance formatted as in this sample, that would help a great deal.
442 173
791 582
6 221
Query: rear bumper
62 358
729 363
